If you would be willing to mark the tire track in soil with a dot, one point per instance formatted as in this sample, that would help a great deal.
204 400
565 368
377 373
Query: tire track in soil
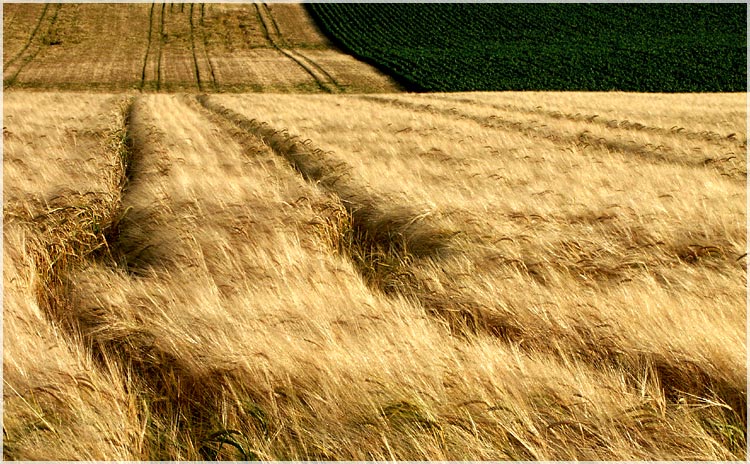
148 45
409 228
30 40
11 81
377 250
659 155
205 45
174 391
72 231
161 47
299 54
626 125
321 77
192 46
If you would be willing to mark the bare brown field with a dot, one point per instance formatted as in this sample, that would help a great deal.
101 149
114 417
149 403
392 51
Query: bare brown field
19 25
494 276
171 47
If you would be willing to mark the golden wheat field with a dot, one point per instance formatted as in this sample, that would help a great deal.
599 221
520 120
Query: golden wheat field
429 277
348 272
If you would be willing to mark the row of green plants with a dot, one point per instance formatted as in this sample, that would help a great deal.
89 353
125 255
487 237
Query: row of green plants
631 47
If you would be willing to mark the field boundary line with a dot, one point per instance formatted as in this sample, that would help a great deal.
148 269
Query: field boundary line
324 80
12 80
30 39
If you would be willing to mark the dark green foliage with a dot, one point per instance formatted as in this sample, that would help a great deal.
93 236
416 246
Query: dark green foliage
492 46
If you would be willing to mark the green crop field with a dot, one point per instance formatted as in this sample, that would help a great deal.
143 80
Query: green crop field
454 47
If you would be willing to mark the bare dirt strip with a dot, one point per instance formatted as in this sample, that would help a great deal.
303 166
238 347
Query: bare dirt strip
167 48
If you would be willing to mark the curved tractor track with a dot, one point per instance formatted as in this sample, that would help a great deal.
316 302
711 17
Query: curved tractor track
10 62
34 45
322 78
